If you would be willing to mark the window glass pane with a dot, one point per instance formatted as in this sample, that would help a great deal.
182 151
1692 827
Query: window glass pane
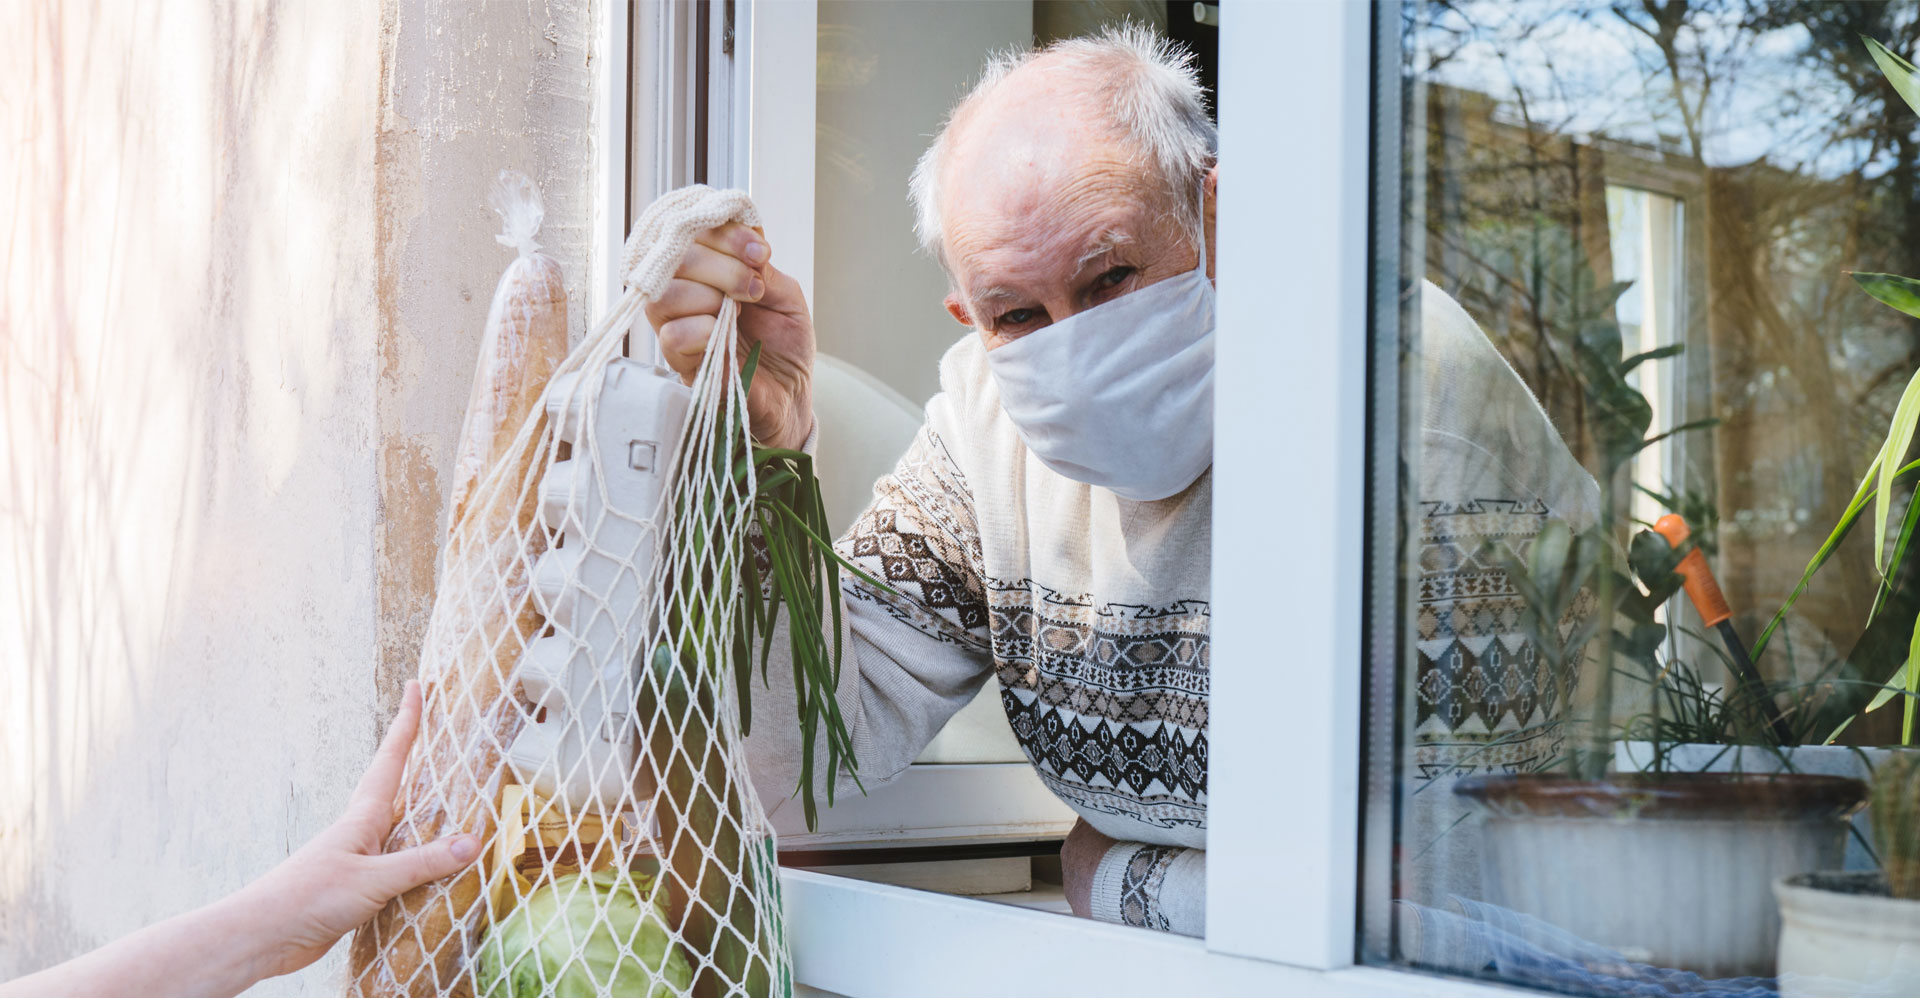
1625 233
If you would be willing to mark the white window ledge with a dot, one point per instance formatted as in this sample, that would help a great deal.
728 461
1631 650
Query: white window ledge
868 940
935 805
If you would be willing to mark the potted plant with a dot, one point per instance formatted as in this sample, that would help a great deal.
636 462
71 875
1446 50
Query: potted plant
1700 728
1751 726
1666 866
1662 867
1858 932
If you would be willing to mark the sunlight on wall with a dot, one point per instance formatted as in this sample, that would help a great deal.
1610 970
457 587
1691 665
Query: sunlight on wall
187 409
246 261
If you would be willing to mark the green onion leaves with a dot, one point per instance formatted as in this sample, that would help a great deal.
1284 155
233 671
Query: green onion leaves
794 567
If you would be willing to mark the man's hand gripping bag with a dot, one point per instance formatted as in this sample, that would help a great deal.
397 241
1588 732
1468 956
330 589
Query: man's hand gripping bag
581 711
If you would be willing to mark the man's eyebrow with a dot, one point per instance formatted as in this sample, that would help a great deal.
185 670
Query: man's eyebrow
1106 242
998 293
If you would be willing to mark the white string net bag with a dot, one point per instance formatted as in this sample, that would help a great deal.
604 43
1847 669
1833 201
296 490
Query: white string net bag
580 712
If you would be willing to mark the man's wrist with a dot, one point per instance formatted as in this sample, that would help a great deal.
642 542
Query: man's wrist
789 438
803 419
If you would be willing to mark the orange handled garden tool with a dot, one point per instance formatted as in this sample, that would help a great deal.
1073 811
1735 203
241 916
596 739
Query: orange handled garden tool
1705 593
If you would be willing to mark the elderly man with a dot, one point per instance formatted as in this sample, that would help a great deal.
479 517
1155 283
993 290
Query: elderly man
1050 522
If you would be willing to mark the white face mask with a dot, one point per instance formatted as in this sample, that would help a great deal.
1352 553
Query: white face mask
1120 395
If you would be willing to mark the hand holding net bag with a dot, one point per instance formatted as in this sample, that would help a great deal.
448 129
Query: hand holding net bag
584 668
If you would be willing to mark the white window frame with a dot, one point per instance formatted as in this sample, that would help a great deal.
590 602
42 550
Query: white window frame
1288 554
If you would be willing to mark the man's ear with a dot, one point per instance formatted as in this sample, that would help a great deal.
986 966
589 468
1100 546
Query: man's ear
958 310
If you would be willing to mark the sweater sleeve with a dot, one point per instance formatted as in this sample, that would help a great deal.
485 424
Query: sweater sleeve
1153 887
916 648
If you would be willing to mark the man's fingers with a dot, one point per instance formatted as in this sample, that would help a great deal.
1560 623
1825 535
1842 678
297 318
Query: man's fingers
724 273
726 261
683 298
684 341
403 871
737 241
682 320
375 793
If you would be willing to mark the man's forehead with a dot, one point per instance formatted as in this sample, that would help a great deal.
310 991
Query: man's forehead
1037 182
1061 215
1068 245
1026 143
1000 256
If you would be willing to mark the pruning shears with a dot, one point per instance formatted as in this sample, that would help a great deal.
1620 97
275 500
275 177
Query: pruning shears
1704 592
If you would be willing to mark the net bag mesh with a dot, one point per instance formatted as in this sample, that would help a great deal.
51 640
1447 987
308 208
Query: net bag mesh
579 715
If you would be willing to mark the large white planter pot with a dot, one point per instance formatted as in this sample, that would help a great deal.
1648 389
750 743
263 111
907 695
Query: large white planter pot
1826 760
1841 936
1675 870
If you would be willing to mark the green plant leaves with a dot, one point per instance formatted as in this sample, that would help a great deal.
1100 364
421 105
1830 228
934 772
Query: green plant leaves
1549 554
1699 424
1900 545
793 565
1902 294
1891 290
1905 681
1899 72
1892 687
1899 438
1876 487
1653 562
1658 353
1838 534
1855 507
1618 415
1642 644
1549 577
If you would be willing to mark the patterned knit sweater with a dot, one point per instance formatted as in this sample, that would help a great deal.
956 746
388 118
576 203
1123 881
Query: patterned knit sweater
1092 610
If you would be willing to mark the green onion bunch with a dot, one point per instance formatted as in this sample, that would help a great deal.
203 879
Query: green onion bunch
782 559
795 567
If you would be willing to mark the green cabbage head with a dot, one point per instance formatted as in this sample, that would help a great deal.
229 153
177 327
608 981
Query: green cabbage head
598 935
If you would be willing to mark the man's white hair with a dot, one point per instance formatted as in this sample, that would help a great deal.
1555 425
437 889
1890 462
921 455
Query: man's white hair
1144 82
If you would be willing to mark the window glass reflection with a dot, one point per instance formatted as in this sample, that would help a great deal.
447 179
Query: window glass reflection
1631 338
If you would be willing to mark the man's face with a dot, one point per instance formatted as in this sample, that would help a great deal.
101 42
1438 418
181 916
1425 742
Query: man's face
1044 215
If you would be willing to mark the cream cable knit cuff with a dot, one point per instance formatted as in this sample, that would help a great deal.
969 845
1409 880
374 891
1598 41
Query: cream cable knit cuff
1154 887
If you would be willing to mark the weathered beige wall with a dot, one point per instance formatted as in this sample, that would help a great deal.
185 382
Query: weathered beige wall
475 87
245 260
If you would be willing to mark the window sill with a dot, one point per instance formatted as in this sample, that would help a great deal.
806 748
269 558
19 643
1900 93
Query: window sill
868 940
935 804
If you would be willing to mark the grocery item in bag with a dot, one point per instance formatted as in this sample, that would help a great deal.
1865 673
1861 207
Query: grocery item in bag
482 618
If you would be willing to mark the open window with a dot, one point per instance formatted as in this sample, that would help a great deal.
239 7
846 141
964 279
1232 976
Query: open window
1567 180
971 807
825 107
880 77
970 816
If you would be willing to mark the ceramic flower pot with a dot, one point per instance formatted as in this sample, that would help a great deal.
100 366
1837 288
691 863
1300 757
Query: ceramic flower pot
1841 935
1826 760
1673 870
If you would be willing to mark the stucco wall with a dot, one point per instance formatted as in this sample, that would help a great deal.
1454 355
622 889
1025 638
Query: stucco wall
245 264
474 88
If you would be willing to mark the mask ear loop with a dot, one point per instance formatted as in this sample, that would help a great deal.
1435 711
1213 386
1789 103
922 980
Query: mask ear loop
1203 227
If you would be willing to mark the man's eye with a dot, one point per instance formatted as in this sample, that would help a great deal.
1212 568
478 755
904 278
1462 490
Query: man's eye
1017 317
1112 278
